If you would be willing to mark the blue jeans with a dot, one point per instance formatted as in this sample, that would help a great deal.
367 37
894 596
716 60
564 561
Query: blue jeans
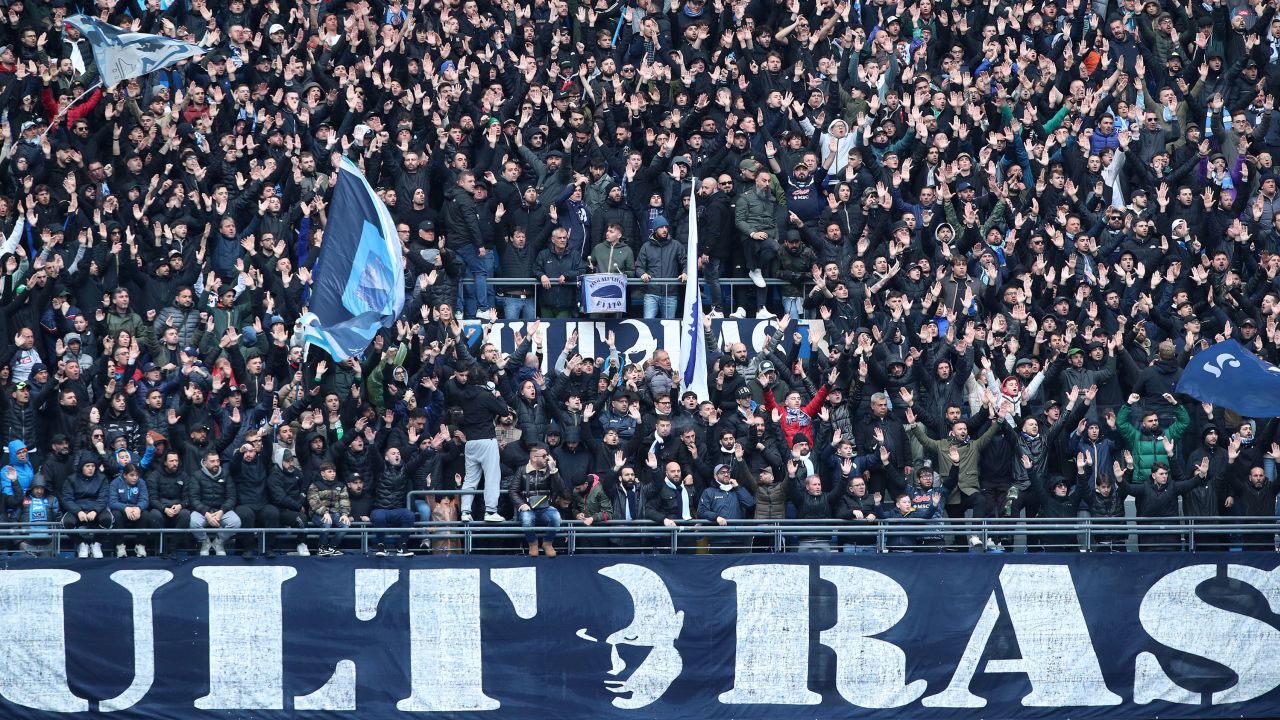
519 308
547 516
395 517
794 306
477 268
713 294
652 304
335 522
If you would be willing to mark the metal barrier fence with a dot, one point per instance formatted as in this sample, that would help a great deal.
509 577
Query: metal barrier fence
729 284
1080 534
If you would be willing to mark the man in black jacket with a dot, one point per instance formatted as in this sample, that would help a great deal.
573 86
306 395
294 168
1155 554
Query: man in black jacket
464 237
212 498
167 489
481 403
250 468
289 495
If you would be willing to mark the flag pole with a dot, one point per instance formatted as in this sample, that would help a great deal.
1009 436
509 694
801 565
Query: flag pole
70 105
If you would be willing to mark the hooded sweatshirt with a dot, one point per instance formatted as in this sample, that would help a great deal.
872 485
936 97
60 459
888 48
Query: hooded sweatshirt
24 470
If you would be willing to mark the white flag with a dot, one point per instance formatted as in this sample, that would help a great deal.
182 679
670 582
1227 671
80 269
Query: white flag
693 344
121 54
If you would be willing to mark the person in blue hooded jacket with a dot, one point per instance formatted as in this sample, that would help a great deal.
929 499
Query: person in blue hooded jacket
129 499
17 475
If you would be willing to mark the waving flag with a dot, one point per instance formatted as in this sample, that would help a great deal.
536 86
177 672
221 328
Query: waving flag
1230 376
693 344
358 281
121 54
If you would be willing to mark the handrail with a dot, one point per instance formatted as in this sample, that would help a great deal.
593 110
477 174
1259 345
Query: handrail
779 535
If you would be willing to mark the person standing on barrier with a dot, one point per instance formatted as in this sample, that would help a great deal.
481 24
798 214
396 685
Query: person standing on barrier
84 504
481 404
535 488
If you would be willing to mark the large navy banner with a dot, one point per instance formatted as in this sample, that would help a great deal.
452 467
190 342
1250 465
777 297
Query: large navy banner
1122 636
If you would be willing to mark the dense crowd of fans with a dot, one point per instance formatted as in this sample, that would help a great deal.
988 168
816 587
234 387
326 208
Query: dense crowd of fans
1008 224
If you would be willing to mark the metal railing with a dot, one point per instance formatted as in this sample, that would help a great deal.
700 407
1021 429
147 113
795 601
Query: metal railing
1078 534
632 284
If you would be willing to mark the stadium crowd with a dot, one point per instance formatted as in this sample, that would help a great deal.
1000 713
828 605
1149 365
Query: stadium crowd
1010 225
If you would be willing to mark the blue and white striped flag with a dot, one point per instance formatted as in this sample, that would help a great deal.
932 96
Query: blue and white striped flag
358 281
121 54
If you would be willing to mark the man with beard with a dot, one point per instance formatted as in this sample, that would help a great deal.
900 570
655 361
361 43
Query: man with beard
661 257
756 217
168 490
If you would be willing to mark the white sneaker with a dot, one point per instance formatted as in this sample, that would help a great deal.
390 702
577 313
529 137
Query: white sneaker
204 548
218 548
757 277
484 315
715 315
121 551
457 314
96 550
739 314
974 541
992 546
140 550
82 551
466 517
493 517
302 550
764 314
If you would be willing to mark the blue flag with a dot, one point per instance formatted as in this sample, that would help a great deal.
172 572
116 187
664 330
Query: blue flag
1230 376
120 54
358 280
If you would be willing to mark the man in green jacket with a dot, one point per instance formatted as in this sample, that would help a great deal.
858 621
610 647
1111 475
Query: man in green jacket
756 217
968 494
1146 440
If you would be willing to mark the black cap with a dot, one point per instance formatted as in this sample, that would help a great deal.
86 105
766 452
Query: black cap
744 392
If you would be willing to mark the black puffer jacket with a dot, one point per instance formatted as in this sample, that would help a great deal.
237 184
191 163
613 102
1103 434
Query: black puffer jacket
287 490
166 489
211 492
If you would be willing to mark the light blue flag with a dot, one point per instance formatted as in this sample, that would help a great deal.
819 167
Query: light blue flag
358 281
121 54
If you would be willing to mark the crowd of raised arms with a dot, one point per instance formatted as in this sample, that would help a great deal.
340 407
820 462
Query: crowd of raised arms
1007 225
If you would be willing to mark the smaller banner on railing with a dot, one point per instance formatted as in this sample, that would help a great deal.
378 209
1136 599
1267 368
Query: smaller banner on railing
604 293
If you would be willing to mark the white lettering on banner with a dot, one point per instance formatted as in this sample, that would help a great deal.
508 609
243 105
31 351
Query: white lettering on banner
655 624
1057 654
339 691
773 603
521 586
33 651
870 673
246 637
444 632
142 585
1176 617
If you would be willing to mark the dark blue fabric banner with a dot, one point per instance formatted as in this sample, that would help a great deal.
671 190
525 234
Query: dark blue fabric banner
816 636
1218 375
